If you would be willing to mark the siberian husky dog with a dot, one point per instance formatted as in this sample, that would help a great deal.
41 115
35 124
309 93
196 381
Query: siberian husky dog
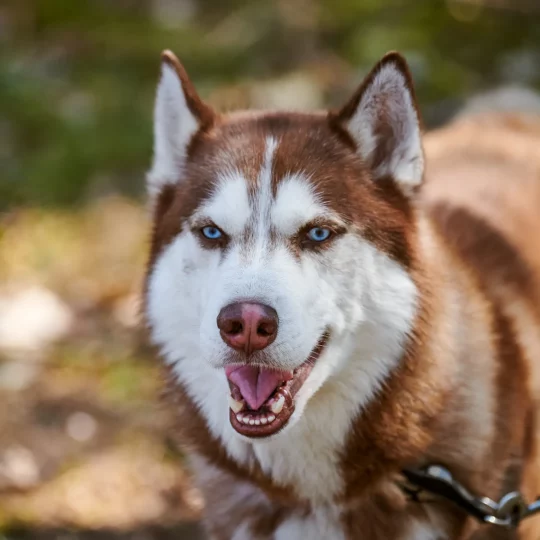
326 322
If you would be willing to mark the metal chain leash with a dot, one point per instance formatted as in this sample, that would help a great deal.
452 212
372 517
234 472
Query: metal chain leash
508 512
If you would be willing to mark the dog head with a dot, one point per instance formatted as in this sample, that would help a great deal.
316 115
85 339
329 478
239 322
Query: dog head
282 244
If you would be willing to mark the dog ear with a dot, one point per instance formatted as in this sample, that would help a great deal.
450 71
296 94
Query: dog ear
179 114
383 120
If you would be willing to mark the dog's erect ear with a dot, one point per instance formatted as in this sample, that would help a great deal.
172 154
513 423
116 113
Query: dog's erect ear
383 120
179 113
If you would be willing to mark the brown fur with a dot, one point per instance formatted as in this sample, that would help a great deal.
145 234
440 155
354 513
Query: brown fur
483 193
470 241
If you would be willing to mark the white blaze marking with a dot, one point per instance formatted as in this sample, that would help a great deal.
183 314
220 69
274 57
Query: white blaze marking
264 201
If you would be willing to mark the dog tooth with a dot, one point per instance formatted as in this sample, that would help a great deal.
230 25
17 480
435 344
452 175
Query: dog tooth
252 422
240 417
277 406
236 406
257 422
271 418
245 420
264 420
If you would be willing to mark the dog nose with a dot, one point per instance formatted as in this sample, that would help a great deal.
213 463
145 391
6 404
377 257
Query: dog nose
248 327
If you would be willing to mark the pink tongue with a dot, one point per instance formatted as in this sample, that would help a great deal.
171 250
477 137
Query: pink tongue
256 384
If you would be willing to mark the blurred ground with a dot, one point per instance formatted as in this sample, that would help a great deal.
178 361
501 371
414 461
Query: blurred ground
83 440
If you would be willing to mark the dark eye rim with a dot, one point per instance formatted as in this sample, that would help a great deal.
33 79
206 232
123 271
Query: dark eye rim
210 243
305 242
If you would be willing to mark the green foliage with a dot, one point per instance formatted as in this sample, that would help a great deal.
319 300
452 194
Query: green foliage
77 78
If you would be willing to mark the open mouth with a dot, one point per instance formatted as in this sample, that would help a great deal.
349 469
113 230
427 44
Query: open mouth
262 400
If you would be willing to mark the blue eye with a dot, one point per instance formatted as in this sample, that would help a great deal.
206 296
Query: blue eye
319 234
212 233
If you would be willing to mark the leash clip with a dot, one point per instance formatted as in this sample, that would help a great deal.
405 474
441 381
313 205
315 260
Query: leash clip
508 512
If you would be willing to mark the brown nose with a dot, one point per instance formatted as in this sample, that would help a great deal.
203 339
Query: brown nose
248 327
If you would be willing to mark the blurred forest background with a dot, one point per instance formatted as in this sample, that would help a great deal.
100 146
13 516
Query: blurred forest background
84 451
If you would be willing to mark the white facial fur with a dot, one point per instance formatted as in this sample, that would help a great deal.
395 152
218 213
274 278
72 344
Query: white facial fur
261 272
365 299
